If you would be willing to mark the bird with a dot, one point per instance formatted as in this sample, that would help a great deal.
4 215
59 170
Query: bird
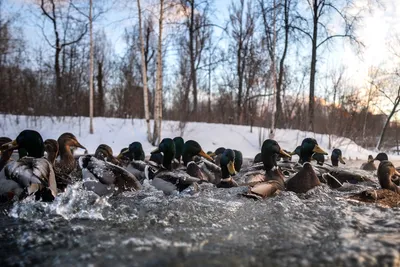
306 178
336 157
107 175
228 169
33 173
179 144
369 165
192 149
133 152
386 172
273 178
381 156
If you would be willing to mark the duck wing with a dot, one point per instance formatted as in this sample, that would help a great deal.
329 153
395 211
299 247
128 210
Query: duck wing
34 174
109 174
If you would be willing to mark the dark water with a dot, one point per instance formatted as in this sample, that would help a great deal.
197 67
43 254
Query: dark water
213 227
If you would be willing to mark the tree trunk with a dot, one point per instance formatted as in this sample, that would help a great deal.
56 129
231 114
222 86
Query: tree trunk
192 56
144 76
313 67
158 97
387 123
100 95
91 68
273 60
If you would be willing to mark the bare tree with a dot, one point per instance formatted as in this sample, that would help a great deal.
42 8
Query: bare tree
144 74
319 34
91 68
159 83
51 10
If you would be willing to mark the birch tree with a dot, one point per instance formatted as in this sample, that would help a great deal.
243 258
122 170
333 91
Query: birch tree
144 75
159 90
91 68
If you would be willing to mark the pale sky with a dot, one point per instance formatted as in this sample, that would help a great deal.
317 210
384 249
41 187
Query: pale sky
376 30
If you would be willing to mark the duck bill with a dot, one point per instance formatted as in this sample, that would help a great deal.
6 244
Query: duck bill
212 154
318 149
283 153
231 168
80 146
9 146
396 173
341 160
205 155
122 153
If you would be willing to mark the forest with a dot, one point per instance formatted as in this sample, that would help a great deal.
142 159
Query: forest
261 63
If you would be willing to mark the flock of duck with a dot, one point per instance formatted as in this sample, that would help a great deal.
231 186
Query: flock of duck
177 165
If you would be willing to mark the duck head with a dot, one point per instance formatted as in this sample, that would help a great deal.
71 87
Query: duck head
167 147
336 157
179 143
136 150
370 158
191 149
269 151
217 152
309 146
227 163
319 158
381 156
68 141
28 143
105 153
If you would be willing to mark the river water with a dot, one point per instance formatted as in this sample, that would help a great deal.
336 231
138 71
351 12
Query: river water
212 227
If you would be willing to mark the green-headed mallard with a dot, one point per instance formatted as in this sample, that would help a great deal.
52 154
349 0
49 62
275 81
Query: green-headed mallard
135 163
33 173
369 165
318 157
165 178
381 156
133 152
228 169
306 178
257 158
336 156
273 180
192 149
216 155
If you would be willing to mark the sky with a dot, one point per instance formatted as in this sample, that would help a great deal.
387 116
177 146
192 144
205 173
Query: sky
375 31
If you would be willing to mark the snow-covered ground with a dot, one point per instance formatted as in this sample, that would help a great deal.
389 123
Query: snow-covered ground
119 133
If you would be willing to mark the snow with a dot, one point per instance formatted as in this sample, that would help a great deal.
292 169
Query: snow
119 133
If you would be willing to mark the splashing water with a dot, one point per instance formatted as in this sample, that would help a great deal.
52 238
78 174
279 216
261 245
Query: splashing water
212 227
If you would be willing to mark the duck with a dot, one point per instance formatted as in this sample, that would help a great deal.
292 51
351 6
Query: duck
216 155
192 149
133 152
165 178
108 176
318 157
369 165
306 178
32 172
257 158
381 156
227 170
8 188
67 142
389 194
336 157
273 178
51 148
105 152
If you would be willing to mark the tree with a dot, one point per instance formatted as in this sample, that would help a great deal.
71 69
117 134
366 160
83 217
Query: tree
159 82
52 11
91 68
319 34
144 74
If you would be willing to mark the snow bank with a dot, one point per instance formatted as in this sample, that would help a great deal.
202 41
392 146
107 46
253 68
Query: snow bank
119 133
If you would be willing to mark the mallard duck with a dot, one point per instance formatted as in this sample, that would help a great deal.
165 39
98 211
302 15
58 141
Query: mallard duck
133 152
192 149
318 157
108 175
228 169
66 143
389 195
33 173
336 156
386 172
164 178
273 180
369 165
216 155
105 152
306 178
